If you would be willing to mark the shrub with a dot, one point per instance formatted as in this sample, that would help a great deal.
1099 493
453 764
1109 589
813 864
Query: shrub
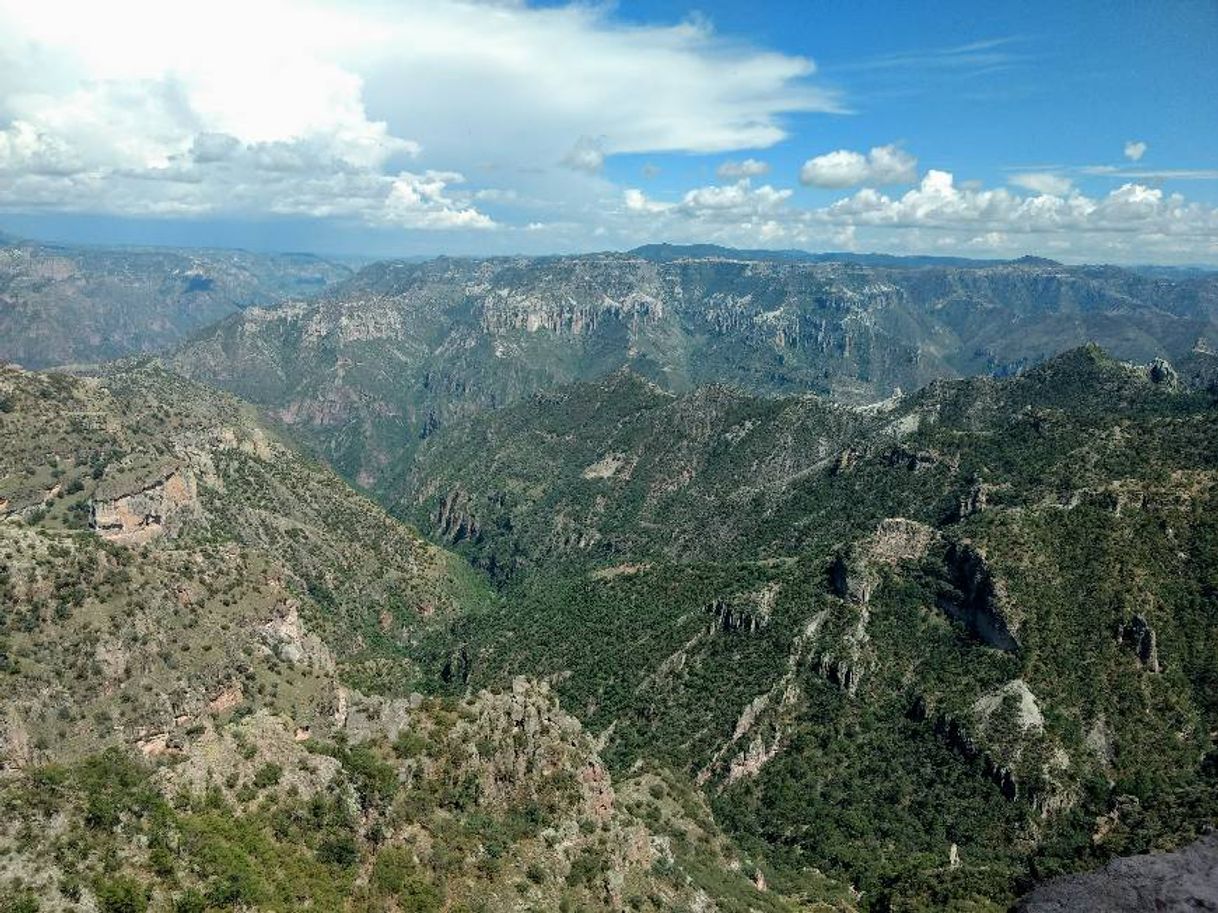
267 775
121 895
396 875
338 851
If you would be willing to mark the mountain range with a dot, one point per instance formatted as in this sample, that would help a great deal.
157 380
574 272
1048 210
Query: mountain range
853 625
378 363
678 579
63 304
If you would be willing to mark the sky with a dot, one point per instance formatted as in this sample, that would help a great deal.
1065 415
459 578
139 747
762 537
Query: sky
1083 131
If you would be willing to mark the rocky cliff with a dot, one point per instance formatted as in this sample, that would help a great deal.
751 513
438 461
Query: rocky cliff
402 349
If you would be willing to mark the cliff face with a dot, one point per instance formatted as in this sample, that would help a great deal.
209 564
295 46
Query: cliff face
463 336
983 605
143 512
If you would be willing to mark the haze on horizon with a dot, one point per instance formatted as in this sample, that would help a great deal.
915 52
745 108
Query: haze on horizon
453 126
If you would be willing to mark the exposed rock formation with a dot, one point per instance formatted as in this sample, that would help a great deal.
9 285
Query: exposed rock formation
286 637
855 573
744 613
1028 716
454 518
134 513
1181 882
750 761
973 501
609 466
1140 636
521 740
983 606
1161 372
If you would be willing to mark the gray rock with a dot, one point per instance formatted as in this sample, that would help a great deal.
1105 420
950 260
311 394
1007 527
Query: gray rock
1186 880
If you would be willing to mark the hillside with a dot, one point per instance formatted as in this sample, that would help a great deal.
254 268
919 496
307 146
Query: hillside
384 359
62 304
137 507
208 673
941 648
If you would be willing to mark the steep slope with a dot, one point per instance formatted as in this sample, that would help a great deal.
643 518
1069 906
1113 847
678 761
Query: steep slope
193 623
138 509
941 648
70 305
401 349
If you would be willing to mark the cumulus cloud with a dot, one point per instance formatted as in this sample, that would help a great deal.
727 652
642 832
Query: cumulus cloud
128 107
637 201
845 168
938 202
1042 182
587 155
715 201
108 112
748 168
1131 222
1134 150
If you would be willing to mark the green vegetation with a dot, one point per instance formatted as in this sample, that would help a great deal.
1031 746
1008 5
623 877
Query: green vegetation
1033 682
933 651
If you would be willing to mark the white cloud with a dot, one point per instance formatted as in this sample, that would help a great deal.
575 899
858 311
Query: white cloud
736 199
938 203
845 168
587 155
1134 150
421 113
136 114
1045 182
138 107
716 201
1152 174
637 201
1133 222
746 169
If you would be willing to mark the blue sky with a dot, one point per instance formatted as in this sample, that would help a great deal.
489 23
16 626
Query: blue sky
1083 131
978 88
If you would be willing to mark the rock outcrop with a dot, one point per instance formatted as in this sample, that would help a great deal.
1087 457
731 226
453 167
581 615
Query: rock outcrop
1027 716
1141 638
855 573
521 744
454 518
1185 881
983 605
743 613
132 513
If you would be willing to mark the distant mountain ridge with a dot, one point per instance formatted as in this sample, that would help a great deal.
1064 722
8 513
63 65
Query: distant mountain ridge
665 252
63 304
382 360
